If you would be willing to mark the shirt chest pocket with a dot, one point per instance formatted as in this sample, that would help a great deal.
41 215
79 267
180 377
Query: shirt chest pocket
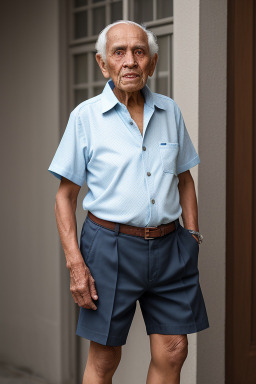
169 154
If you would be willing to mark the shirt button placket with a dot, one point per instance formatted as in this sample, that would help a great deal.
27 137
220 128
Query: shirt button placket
150 186
137 131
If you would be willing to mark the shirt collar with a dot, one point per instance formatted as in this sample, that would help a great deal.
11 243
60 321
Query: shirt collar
109 99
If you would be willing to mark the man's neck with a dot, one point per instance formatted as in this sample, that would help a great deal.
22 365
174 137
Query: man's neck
129 99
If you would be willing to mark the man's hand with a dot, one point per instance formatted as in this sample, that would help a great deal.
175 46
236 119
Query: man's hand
82 285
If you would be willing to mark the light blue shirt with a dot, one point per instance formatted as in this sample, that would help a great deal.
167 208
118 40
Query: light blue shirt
131 179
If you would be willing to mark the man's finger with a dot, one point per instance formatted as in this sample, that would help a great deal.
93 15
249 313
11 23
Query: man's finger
87 301
75 297
93 288
84 295
80 301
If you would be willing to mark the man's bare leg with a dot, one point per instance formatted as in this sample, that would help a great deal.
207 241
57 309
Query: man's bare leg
102 363
168 353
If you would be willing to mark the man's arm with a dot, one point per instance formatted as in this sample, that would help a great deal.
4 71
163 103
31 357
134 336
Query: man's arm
188 201
82 284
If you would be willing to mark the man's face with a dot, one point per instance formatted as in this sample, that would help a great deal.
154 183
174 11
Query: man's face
128 60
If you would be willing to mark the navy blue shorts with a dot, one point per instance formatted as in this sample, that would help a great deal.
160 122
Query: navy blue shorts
161 273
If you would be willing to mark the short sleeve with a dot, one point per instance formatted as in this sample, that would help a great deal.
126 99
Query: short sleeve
69 160
187 157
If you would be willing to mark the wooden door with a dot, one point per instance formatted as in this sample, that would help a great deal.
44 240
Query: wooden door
241 194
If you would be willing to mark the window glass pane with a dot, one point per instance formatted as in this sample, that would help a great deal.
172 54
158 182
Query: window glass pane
97 90
163 53
81 68
97 74
162 85
163 65
143 10
116 11
164 8
99 19
80 24
80 3
80 96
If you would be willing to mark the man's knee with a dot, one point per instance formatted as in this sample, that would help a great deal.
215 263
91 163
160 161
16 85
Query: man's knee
172 350
176 350
104 358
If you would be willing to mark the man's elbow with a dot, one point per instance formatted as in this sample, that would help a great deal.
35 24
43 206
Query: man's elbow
62 199
185 177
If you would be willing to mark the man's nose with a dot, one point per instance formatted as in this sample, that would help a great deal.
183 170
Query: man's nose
130 59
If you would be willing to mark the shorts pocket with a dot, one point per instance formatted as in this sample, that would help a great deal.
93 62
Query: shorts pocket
189 234
88 239
169 154
189 251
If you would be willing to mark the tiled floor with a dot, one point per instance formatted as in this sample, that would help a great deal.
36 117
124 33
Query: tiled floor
12 375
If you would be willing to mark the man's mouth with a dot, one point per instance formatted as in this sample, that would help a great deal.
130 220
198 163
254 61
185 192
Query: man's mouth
131 76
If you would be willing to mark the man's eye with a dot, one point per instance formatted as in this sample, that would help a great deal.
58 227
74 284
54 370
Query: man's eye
139 52
118 53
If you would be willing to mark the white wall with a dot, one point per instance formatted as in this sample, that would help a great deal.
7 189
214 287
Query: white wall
212 184
200 90
30 268
185 93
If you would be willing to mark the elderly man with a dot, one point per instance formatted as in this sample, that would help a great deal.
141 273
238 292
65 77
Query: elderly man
132 148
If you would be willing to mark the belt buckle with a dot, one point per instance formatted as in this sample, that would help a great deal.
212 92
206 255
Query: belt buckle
147 233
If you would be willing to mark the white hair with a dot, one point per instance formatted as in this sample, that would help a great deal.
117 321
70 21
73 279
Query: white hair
102 38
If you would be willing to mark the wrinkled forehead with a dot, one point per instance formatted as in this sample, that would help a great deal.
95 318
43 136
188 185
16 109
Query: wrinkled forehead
126 34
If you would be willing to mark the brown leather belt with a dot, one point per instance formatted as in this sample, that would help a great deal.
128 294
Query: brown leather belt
146 232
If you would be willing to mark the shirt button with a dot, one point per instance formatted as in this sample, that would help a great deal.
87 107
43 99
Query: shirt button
148 173
153 201
131 122
144 148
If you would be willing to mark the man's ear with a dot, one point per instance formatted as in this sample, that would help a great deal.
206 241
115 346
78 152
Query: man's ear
102 65
153 64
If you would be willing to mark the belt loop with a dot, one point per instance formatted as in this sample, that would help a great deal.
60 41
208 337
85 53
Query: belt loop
117 225
176 223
